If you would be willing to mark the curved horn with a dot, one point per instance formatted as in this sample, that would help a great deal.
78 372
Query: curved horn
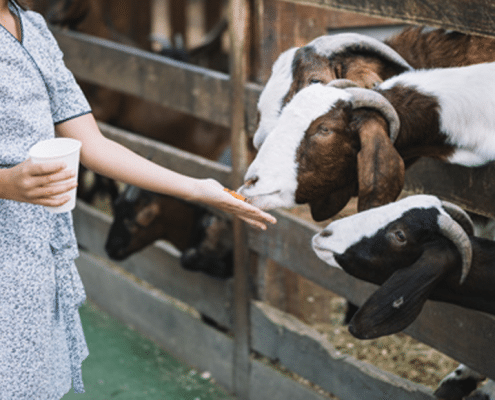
342 83
453 231
369 98
460 216
330 45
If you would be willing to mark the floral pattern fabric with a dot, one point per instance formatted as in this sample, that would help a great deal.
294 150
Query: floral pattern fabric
42 344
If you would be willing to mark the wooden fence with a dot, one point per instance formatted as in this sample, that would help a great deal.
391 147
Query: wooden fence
152 292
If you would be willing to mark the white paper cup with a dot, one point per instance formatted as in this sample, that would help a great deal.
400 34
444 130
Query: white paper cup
59 149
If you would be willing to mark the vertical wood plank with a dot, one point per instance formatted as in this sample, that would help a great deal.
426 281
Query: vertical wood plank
243 258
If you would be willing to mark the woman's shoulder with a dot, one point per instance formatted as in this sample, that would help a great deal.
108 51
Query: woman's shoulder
36 19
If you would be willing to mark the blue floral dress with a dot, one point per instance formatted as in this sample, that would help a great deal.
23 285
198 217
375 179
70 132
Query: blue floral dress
42 343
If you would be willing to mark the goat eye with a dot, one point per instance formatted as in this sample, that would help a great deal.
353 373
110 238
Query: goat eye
323 129
400 236
315 80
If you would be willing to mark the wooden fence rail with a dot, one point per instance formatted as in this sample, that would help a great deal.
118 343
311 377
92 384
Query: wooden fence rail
465 335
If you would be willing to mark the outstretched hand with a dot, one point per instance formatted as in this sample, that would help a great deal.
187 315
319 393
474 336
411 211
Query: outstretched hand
213 193
44 184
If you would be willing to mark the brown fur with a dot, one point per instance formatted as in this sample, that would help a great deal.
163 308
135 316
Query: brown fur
441 49
380 167
433 49
347 152
364 69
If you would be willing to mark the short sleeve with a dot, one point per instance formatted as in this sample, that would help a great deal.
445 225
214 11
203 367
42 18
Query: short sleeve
67 100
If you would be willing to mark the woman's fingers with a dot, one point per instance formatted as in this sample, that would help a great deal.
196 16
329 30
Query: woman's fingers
45 183
41 169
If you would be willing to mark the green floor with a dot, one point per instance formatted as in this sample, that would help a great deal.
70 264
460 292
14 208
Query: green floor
124 365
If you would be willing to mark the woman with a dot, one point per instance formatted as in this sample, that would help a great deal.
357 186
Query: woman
41 340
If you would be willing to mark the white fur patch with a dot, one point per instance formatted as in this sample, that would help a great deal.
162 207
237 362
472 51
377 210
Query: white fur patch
466 96
272 95
275 167
339 235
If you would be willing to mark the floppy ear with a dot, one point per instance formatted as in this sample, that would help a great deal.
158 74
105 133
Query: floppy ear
380 167
397 303
329 205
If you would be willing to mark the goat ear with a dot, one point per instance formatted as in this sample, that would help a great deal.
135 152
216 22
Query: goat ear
329 205
397 303
380 167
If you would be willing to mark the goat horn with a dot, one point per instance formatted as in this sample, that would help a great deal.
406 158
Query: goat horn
330 45
454 232
342 83
369 98
460 216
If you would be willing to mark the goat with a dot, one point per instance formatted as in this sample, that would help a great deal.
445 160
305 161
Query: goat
142 217
417 248
459 384
330 144
365 61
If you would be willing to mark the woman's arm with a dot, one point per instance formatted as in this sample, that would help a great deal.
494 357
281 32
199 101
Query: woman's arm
109 158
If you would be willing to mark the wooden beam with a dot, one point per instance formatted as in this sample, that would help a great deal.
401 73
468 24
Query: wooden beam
473 16
180 86
305 351
470 188
158 265
168 156
243 259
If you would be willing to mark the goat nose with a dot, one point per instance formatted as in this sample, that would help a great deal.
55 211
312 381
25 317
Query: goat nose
326 233
251 181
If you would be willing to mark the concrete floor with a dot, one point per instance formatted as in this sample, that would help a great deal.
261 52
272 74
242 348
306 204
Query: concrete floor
124 365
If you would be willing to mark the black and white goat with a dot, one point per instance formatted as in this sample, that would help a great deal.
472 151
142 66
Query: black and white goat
330 144
417 248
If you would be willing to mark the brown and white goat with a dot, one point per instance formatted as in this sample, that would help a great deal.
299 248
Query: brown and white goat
142 217
417 248
365 61
330 144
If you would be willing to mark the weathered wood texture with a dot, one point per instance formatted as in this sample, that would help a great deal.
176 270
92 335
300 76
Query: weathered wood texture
474 16
239 39
471 188
179 329
159 265
282 337
180 86
168 156
281 25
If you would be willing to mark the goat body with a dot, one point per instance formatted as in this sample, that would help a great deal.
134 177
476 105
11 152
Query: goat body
401 247
323 150
142 217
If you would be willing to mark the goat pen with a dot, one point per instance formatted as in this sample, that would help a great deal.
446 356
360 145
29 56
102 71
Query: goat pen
150 290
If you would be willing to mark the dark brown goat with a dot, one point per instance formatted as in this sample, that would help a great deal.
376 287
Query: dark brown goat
142 217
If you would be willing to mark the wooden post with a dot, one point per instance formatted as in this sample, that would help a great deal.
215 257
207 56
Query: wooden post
243 258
